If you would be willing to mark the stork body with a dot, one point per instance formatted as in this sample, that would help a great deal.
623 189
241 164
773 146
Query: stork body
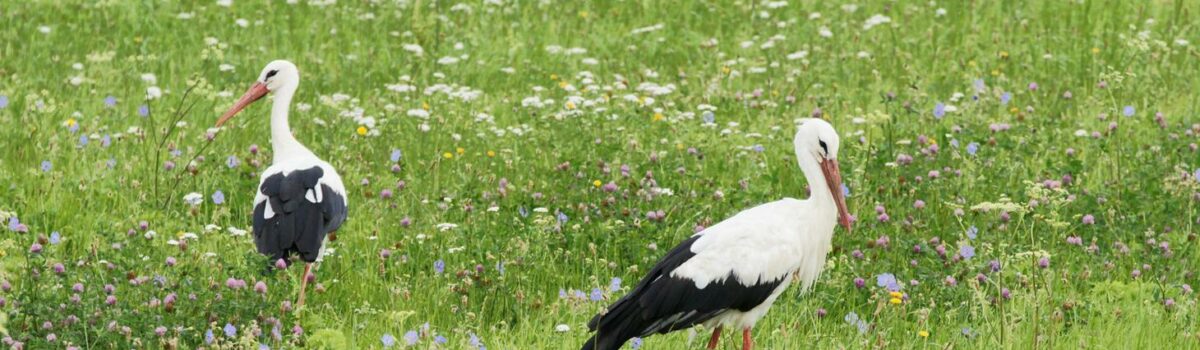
730 274
300 198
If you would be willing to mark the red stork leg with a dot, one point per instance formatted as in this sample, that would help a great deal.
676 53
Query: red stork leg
304 282
747 344
712 342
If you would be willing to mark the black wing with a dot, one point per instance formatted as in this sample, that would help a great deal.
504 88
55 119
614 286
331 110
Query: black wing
661 303
298 225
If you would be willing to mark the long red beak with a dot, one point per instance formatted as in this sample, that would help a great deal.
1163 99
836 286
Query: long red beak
256 91
833 179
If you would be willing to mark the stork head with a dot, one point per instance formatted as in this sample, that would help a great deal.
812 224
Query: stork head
279 75
817 140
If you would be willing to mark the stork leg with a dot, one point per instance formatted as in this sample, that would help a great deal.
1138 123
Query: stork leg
747 344
712 342
304 282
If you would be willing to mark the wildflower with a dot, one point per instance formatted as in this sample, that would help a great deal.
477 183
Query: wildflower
208 337
1088 219
47 166
170 261
439 266
919 204
143 110
597 294
193 199
939 110
231 162
1044 262
260 287
1128 111
447 155
923 334
55 237
972 148
1033 86
615 284
396 155
35 248
362 131
3 101
388 340
859 282
1005 97
218 197
230 330
972 232
635 343
596 183
888 281
281 264
966 252
411 337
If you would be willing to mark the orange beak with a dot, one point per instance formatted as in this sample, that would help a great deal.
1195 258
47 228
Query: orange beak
833 179
256 92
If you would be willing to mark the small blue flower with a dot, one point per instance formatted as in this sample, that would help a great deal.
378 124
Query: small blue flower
83 140
1196 176
845 190
143 110
13 223
411 337
396 155
262 346
3 101
562 218
55 237
208 336
972 232
218 197
73 127
439 266
112 162
615 284
708 116
636 343
1004 98
759 148
1128 111
562 293
176 153
474 341
851 317
939 110
888 281
440 340
966 252
597 294
521 210
47 166
972 148
110 101
954 143
105 140
232 162
230 330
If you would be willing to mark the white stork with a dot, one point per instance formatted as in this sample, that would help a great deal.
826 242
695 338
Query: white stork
300 197
730 274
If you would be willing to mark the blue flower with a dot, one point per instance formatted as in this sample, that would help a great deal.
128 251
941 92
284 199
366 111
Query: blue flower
218 197
954 143
13 223
759 148
112 162
143 110
73 128
396 155
521 210
230 330
972 148
83 140
110 101
562 218
474 341
851 317
411 337
939 110
440 340
972 232
1128 111
597 294
105 140
55 237
208 336
1197 175
1007 96
888 281
615 284
562 293
262 346
232 162
709 117
966 252
845 191
439 266
3 101
635 343
47 166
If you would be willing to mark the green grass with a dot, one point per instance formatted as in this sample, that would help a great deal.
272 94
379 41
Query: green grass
878 86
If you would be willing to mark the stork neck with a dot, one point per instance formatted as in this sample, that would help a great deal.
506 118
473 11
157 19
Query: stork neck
818 188
282 142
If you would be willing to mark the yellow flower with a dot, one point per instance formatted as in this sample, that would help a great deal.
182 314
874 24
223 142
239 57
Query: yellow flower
425 105
995 73
570 105
362 131
679 146
562 84
491 153
895 294
725 70
70 122
596 183
923 334
971 63
1095 50
447 155
554 77
658 116
1013 110
460 150
1003 54
895 301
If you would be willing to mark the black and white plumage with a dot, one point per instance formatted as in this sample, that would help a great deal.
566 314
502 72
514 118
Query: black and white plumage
730 274
300 198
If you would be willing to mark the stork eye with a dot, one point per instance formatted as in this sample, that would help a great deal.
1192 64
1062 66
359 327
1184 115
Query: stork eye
272 73
824 147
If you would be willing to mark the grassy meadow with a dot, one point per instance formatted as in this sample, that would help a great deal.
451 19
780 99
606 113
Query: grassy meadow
1026 170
